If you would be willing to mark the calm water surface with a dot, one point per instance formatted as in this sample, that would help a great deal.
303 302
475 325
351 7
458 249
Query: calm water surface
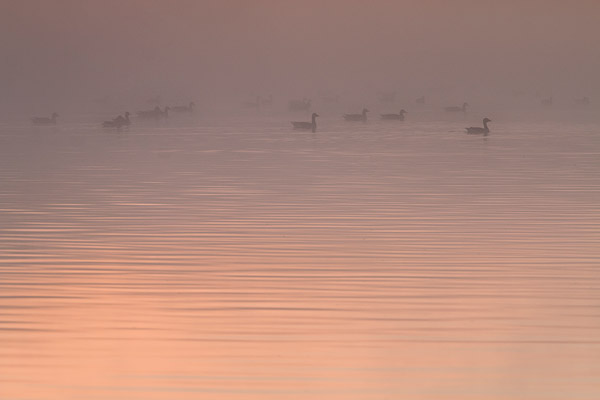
202 259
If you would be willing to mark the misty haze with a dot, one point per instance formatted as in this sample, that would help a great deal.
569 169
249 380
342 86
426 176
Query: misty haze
331 199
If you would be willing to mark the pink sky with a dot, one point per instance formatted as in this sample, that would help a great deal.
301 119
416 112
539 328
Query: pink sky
76 47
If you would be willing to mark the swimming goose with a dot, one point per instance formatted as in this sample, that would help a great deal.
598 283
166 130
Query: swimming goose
357 117
399 116
305 126
45 120
155 113
478 129
457 108
117 122
188 108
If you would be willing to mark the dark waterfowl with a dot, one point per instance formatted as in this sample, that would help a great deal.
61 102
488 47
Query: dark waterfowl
462 108
306 126
155 113
398 117
357 117
45 120
188 108
118 122
478 129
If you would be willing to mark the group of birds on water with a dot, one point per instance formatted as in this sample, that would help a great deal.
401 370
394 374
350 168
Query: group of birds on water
157 113
362 117
294 105
123 120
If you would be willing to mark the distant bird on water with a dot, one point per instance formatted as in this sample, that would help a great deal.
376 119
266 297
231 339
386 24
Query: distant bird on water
188 108
357 117
478 129
155 113
117 122
399 116
306 126
463 108
45 120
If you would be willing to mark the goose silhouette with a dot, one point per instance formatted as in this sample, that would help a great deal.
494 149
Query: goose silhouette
306 126
155 113
45 120
478 129
117 122
357 117
399 116
462 108
188 108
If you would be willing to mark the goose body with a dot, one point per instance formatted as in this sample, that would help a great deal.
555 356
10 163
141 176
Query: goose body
462 108
155 113
357 117
188 108
306 126
398 117
45 120
117 122
478 129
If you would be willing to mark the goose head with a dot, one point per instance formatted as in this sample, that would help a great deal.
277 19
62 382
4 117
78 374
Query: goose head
54 115
364 111
486 120
402 112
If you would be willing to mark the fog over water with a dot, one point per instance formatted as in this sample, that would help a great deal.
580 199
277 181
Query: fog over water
218 253
64 54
